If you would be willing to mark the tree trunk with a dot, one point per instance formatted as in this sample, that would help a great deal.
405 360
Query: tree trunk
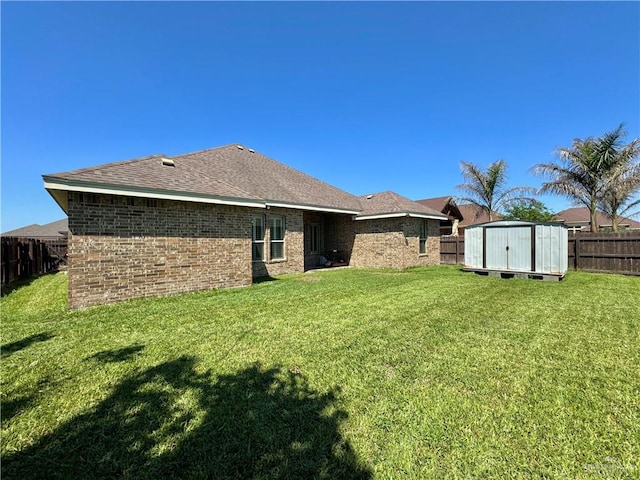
593 220
614 221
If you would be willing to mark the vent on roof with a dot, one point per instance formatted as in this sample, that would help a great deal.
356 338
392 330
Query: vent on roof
240 147
167 162
369 197
252 150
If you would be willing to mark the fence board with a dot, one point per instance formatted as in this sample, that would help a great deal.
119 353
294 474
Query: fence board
451 250
24 258
610 252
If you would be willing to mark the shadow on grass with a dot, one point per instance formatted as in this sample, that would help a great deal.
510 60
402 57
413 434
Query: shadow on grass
21 400
115 356
23 282
264 279
13 347
170 421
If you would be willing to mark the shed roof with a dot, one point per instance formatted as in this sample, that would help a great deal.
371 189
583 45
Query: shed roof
513 223
230 174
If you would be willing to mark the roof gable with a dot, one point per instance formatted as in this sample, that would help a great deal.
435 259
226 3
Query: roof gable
446 205
389 204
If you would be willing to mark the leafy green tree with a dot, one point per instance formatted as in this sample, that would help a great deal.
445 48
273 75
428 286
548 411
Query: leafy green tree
487 190
584 169
529 210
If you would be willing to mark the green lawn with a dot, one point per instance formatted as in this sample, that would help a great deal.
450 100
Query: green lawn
422 373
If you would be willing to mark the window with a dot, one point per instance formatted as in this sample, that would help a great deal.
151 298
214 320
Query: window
423 237
277 238
257 238
314 235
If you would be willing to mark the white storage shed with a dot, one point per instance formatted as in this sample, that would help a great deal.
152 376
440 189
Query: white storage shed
510 248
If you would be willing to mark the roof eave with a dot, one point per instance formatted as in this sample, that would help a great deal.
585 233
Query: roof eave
54 185
57 184
314 208
399 215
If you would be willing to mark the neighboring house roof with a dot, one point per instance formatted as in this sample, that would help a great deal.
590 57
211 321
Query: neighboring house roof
446 205
472 214
580 216
232 174
57 229
389 204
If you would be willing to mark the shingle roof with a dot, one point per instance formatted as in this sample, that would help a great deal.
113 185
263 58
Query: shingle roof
446 205
390 204
225 172
472 214
437 203
55 229
581 216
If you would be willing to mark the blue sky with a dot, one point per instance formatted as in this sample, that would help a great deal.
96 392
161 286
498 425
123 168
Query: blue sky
365 96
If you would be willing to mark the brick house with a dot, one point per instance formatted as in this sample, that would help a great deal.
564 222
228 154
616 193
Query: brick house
222 217
578 219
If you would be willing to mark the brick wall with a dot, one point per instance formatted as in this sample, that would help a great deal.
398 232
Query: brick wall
395 243
124 247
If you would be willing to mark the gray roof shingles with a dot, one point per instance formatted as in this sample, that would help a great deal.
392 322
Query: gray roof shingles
391 203
228 172
57 229
231 172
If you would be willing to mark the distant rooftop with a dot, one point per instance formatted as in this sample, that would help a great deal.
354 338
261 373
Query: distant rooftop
57 229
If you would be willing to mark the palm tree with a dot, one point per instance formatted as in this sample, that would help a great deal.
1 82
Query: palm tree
583 171
622 184
486 190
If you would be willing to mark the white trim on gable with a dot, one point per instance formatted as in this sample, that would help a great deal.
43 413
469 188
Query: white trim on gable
50 185
53 184
400 214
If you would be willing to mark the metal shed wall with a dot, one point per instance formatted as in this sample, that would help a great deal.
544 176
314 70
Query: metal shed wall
514 246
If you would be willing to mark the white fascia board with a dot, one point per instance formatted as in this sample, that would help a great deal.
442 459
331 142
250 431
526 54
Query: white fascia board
401 214
428 216
54 184
382 215
310 207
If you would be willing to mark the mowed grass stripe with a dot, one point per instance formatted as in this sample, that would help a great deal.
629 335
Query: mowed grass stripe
421 373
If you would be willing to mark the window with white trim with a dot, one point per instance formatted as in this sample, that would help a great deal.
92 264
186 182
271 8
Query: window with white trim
276 238
423 236
257 238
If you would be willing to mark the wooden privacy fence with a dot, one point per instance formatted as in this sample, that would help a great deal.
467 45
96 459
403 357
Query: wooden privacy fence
606 252
610 252
451 250
23 258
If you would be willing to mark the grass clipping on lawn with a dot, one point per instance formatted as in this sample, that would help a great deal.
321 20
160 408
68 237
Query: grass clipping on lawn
420 373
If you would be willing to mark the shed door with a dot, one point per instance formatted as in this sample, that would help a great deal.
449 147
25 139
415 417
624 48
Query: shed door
509 248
